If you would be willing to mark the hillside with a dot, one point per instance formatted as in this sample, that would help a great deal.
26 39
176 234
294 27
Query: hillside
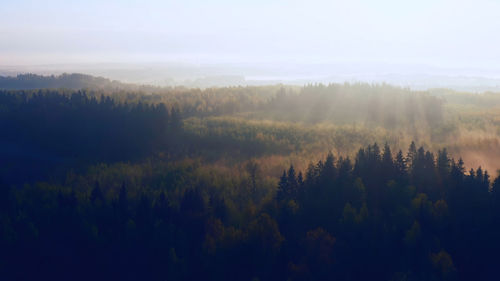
66 81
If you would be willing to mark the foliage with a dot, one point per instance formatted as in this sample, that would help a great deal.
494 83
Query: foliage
363 220
247 183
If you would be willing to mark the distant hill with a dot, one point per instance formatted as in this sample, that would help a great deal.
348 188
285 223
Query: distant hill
66 81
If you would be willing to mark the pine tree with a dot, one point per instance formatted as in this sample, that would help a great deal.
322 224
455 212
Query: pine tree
283 190
400 163
300 180
411 156
387 163
292 183
328 172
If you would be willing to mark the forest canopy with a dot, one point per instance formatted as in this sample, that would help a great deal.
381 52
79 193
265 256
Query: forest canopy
320 182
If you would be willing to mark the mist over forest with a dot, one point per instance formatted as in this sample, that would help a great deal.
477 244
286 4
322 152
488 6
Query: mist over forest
320 181
206 74
249 140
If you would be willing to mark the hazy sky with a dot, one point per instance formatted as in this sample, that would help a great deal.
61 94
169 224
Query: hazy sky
446 33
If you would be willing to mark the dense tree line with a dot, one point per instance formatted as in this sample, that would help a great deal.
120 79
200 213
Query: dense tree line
191 101
64 128
149 211
380 216
75 81
375 105
54 128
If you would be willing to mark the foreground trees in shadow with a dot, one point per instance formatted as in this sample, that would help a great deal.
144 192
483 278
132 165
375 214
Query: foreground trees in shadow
408 215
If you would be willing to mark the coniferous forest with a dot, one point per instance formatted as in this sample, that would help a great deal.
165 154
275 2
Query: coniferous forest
320 182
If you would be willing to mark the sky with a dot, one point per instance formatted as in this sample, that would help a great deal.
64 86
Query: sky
444 33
